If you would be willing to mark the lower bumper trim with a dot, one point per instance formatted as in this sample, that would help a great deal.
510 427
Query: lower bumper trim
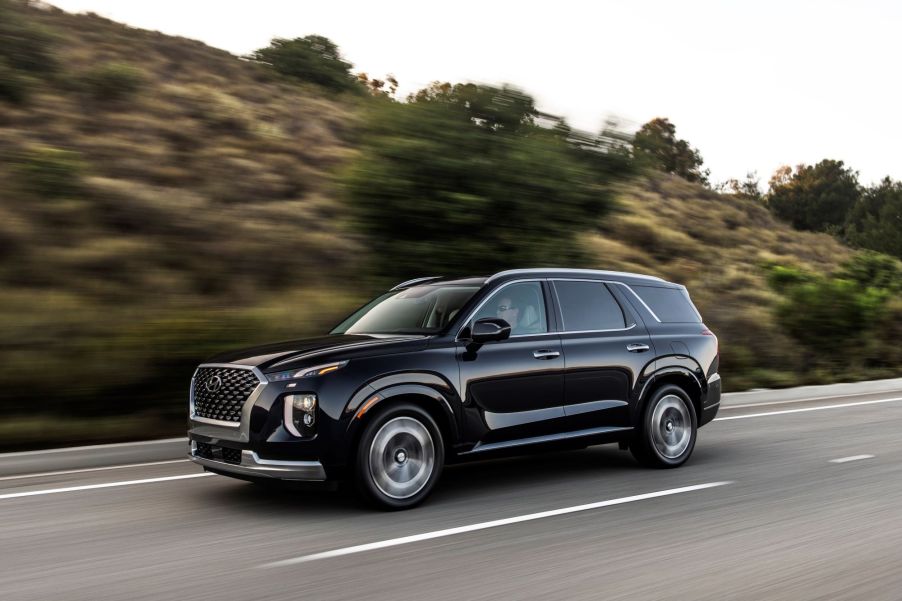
252 465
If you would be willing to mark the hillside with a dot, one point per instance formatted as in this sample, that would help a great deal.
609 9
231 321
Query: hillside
161 199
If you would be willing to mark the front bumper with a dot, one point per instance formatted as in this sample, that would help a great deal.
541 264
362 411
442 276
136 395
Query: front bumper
254 466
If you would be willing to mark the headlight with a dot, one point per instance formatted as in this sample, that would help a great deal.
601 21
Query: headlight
307 372
300 414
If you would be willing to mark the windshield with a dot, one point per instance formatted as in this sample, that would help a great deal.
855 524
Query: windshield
415 310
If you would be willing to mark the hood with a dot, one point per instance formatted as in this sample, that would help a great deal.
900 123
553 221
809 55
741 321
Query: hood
296 353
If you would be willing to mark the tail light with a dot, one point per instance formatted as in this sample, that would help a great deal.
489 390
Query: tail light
707 332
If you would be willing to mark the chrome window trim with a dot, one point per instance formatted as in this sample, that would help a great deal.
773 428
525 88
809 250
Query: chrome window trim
647 308
546 270
414 281
626 329
212 426
500 288
602 282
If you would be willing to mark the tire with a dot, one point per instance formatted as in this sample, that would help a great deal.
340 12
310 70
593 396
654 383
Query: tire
668 429
400 457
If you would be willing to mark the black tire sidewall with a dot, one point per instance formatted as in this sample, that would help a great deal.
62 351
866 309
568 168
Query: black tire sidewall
649 452
363 478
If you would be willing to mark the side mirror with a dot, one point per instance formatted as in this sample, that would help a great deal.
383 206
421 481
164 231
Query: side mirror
490 329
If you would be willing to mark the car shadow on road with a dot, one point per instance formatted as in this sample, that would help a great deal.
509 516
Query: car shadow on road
469 481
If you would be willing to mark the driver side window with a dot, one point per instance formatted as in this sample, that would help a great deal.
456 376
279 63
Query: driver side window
521 305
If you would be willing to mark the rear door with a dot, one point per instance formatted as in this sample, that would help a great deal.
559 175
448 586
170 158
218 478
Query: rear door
606 348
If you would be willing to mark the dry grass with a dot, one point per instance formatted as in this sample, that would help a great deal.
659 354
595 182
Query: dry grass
208 216
716 245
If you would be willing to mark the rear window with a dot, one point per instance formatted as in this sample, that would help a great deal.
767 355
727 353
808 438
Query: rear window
588 306
671 305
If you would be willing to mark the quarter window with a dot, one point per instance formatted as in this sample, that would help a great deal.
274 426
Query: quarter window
588 306
671 305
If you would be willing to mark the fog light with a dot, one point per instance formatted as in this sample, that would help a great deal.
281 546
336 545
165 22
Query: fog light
302 402
300 414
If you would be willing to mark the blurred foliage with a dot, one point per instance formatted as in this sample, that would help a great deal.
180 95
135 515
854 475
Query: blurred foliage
460 181
750 187
13 85
875 221
112 82
829 314
657 146
51 172
220 205
313 59
23 44
814 198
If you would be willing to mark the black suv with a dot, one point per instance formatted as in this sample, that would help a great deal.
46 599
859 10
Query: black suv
439 370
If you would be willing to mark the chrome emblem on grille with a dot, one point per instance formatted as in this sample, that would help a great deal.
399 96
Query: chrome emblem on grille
213 384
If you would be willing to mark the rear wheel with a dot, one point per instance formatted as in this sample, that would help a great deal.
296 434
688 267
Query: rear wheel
668 429
400 457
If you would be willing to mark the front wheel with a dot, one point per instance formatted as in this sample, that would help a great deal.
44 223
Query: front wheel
400 457
668 429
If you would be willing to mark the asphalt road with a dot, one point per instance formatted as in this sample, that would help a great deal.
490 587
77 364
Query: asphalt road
778 519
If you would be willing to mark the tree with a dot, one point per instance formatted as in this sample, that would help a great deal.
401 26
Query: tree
747 188
657 146
458 182
313 58
376 87
875 222
506 108
815 198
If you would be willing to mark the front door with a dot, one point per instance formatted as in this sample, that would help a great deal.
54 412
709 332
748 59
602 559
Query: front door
514 388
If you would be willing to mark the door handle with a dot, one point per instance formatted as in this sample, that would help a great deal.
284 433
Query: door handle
545 354
637 348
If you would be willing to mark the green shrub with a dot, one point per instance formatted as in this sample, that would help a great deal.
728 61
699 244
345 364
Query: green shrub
22 45
439 189
112 82
313 59
844 310
13 86
51 172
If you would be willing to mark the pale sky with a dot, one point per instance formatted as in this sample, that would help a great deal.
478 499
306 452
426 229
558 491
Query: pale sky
751 84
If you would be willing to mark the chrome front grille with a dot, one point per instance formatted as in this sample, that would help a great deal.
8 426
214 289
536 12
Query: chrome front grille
219 393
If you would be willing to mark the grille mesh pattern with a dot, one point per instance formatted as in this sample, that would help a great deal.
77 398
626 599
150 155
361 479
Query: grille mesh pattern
224 403
231 455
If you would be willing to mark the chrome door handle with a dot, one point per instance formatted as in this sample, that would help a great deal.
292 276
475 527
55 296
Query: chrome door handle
545 354
637 348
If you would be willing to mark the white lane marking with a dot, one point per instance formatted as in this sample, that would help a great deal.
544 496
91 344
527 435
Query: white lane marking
114 445
805 400
53 491
802 410
91 469
852 458
483 525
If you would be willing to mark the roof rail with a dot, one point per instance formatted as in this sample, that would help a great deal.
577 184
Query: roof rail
571 271
415 281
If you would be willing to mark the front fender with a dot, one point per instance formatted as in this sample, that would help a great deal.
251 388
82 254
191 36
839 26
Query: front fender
411 384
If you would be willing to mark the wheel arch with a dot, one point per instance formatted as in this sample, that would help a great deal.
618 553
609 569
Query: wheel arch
677 375
424 397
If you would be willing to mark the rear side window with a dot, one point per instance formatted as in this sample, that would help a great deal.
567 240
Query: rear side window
588 306
671 305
